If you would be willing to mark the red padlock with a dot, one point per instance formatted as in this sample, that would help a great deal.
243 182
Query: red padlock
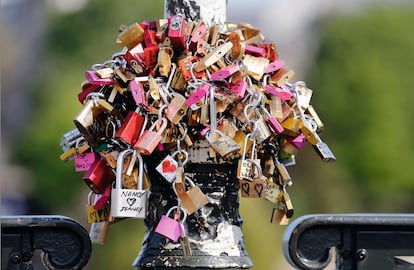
177 31
98 177
151 56
151 137
185 68
131 128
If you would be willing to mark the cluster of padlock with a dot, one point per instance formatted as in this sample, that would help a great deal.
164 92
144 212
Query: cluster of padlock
180 87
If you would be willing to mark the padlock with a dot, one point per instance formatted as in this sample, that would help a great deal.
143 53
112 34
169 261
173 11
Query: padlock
85 120
257 187
271 121
185 66
164 60
151 56
223 144
172 228
136 58
93 215
292 126
177 109
197 95
213 56
101 200
84 161
271 52
110 157
185 243
255 50
98 232
245 168
225 72
69 139
272 192
303 94
150 39
281 92
281 77
287 204
177 32
177 82
198 34
98 177
261 129
276 108
274 66
237 50
94 79
168 166
279 216
105 72
128 202
285 178
194 198
131 36
239 88
256 66
131 127
315 118
138 92
324 152
151 138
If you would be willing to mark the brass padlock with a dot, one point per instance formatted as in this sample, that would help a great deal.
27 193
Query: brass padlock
223 144
245 168
133 35
256 66
177 109
194 198
257 187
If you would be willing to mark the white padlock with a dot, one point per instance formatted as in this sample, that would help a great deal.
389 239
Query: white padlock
128 202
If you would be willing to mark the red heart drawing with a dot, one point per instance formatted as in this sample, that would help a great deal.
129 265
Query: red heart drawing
168 167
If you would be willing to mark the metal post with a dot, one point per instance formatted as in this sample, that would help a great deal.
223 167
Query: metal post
214 232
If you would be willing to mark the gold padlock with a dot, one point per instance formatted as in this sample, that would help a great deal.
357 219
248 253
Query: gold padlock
177 109
194 198
223 144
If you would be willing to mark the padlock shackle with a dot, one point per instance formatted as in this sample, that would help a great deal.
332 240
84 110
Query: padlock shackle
182 210
257 165
120 165
181 152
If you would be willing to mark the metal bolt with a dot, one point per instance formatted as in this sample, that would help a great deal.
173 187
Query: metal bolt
16 258
361 254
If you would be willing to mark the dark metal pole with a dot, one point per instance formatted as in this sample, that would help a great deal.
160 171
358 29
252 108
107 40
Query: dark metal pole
214 232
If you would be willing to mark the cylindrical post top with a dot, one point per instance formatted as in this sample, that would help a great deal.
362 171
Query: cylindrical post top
210 11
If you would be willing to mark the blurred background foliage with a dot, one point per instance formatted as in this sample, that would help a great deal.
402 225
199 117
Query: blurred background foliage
361 77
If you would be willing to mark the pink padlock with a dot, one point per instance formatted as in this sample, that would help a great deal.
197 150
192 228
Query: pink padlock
172 228
273 66
299 141
255 51
138 92
225 72
281 92
199 33
94 79
199 93
84 161
239 88
151 137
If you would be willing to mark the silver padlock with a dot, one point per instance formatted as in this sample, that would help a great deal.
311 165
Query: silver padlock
128 202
